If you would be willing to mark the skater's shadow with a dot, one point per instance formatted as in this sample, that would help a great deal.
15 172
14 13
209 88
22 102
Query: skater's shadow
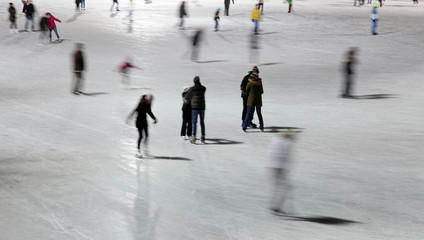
113 14
147 1
321 220
170 158
268 64
268 33
220 141
385 33
138 88
93 93
373 96
210 61
73 18
275 129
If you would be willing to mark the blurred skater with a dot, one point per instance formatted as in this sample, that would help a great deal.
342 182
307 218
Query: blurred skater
245 96
280 157
227 7
77 3
261 6
349 61
82 5
29 10
187 125
374 20
216 19
254 48
52 26
124 68
256 16
290 2
415 3
44 28
113 4
79 67
183 13
254 91
12 18
143 108
197 38
196 95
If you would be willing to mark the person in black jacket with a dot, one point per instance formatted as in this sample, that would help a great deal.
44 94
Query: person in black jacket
244 96
143 108
196 94
348 71
186 127
227 7
29 11
183 14
12 19
44 28
78 58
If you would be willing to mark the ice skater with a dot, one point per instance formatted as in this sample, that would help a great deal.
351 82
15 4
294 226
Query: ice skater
374 20
182 14
44 28
82 5
245 96
79 67
143 108
290 2
12 18
197 38
123 69
52 26
113 4
349 62
254 91
187 125
29 12
227 7
415 3
196 95
216 19
280 161
77 3
256 16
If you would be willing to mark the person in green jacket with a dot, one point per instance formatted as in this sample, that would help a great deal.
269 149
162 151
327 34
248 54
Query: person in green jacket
254 90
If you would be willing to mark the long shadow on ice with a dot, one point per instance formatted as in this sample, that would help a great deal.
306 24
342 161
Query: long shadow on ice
220 141
210 61
373 96
170 158
320 219
93 93
274 129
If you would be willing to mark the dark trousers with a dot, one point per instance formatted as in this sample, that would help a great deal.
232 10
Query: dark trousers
348 86
244 112
140 135
186 127
77 82
227 8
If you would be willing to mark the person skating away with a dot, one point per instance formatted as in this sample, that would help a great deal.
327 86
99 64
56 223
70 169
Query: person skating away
182 14
256 16
227 7
79 68
254 90
186 127
29 14
143 108
196 95
52 26
216 19
13 28
280 162
113 4
197 38
124 68
349 63
244 96
44 28
290 2
374 20
261 6
415 3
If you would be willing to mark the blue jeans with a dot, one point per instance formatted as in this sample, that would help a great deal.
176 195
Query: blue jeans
249 115
256 25
374 26
194 114
55 30
29 19
216 24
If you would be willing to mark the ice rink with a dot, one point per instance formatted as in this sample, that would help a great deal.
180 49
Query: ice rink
68 169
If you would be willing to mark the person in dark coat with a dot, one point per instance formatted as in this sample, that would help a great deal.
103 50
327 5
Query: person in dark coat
244 96
44 27
197 38
29 12
254 90
78 58
143 108
227 7
77 3
196 94
12 19
183 13
187 125
349 61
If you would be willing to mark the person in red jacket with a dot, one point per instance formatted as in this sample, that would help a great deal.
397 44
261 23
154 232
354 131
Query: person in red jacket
52 26
123 69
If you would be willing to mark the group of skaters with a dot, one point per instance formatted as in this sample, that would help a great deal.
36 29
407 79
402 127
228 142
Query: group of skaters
46 23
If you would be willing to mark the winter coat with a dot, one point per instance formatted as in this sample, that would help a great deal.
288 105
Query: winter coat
216 18
44 24
196 94
28 10
183 12
254 90
12 12
186 103
243 85
256 14
78 61
52 25
142 110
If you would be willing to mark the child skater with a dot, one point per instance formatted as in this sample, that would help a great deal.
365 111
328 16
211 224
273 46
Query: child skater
216 18
52 26
186 127
123 69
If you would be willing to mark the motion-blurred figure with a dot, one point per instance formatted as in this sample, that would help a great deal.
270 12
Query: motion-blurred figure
415 3
254 91
143 108
349 61
113 4
280 152
44 28
256 16
196 95
227 7
123 69
77 5
290 2
12 18
183 13
374 20
52 26
261 6
216 19
79 67
254 48
82 5
187 125
197 38
29 11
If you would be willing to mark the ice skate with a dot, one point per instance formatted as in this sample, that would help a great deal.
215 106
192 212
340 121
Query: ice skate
202 139
193 139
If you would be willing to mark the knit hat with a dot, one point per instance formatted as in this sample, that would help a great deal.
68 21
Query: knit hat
255 69
196 79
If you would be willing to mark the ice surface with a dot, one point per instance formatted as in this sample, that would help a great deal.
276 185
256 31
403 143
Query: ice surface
67 165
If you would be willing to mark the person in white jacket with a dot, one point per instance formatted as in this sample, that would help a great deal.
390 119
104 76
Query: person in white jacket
279 165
